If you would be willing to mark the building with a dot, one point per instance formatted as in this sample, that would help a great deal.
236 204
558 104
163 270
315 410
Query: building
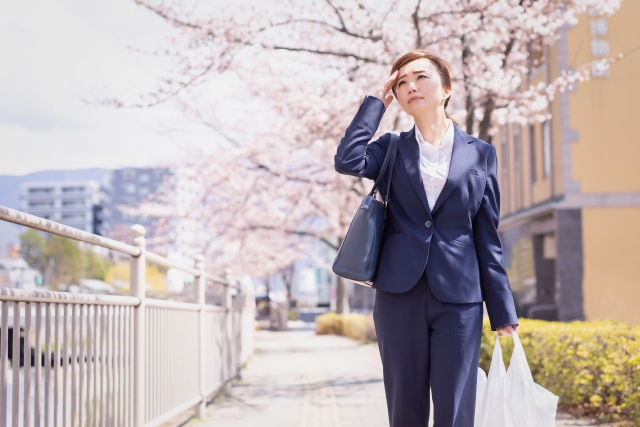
570 187
130 187
10 196
80 204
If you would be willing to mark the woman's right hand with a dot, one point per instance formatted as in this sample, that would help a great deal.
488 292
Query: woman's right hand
383 92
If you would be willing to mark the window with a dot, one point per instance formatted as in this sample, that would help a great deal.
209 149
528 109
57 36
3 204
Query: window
144 190
41 204
128 175
41 191
505 164
517 161
129 188
73 203
504 149
143 177
73 217
532 152
546 146
549 248
72 190
517 152
536 54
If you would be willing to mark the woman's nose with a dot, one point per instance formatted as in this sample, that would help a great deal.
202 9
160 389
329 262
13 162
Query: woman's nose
412 87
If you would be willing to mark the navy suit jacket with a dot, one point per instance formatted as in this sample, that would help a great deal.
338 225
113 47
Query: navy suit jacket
457 241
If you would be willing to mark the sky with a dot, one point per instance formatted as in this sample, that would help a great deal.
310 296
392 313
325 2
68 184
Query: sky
58 59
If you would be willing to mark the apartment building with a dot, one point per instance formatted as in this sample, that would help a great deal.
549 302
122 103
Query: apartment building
79 204
570 187
130 187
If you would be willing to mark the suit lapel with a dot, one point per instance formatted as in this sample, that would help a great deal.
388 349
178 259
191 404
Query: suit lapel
410 153
460 158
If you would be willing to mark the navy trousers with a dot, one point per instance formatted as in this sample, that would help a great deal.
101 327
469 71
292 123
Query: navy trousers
424 342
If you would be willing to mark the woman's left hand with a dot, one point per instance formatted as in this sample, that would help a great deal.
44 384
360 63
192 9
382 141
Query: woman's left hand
507 330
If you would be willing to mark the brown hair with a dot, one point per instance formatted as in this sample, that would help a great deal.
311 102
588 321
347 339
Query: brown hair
444 69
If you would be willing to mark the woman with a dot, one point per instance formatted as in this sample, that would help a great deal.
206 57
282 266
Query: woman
441 255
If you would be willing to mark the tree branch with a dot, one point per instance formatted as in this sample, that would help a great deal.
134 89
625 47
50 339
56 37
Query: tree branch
327 52
343 29
416 25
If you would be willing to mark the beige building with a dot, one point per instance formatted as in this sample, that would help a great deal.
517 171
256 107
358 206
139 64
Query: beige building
570 187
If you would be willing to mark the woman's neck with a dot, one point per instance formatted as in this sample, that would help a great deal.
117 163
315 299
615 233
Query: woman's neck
433 125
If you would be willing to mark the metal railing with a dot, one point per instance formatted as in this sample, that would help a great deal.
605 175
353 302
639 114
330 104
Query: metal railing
97 360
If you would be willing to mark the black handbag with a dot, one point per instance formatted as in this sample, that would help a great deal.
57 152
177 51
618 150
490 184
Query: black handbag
357 258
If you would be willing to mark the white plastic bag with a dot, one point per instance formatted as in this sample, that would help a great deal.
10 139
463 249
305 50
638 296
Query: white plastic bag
480 392
511 398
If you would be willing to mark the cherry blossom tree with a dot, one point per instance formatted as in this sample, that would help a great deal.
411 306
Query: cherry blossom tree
302 68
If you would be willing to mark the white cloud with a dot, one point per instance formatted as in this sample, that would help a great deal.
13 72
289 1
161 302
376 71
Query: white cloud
56 53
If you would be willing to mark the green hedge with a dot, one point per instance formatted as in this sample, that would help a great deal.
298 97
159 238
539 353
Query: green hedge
593 366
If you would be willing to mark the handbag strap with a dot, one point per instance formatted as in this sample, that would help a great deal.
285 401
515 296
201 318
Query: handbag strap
389 160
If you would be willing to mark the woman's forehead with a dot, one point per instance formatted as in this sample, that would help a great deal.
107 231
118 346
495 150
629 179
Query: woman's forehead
417 65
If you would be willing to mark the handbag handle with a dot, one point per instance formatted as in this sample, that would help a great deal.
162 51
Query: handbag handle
389 160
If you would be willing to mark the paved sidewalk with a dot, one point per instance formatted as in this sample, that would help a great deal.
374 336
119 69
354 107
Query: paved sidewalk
299 379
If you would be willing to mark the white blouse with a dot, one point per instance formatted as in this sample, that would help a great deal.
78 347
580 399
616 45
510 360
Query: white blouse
434 163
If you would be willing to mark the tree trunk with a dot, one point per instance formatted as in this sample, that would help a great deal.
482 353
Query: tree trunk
287 277
469 100
470 112
485 124
342 296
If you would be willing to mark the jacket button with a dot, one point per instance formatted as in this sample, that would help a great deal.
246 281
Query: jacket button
428 224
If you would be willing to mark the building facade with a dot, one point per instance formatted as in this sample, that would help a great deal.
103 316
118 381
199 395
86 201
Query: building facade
570 187
130 187
80 204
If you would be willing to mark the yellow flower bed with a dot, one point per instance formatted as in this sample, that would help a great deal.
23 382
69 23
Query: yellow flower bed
593 366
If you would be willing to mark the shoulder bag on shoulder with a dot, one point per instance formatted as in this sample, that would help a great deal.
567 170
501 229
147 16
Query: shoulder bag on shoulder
357 258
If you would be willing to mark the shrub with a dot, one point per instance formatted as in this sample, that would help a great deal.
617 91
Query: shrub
593 366
353 325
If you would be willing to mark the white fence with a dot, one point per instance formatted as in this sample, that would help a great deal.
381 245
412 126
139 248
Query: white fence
96 360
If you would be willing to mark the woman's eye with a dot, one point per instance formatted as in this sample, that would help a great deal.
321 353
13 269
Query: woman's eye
422 75
401 83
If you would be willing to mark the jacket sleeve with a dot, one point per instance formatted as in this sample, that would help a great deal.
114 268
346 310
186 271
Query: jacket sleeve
355 156
493 277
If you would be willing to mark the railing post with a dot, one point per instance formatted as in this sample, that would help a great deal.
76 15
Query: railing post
201 409
229 332
226 295
137 289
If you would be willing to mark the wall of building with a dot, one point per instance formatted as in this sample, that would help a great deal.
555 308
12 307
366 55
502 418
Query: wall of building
612 263
70 202
604 162
130 187
605 110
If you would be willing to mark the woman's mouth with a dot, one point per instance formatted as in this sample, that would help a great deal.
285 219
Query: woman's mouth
413 98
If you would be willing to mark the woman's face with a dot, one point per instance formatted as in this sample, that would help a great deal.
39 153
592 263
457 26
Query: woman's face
419 87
